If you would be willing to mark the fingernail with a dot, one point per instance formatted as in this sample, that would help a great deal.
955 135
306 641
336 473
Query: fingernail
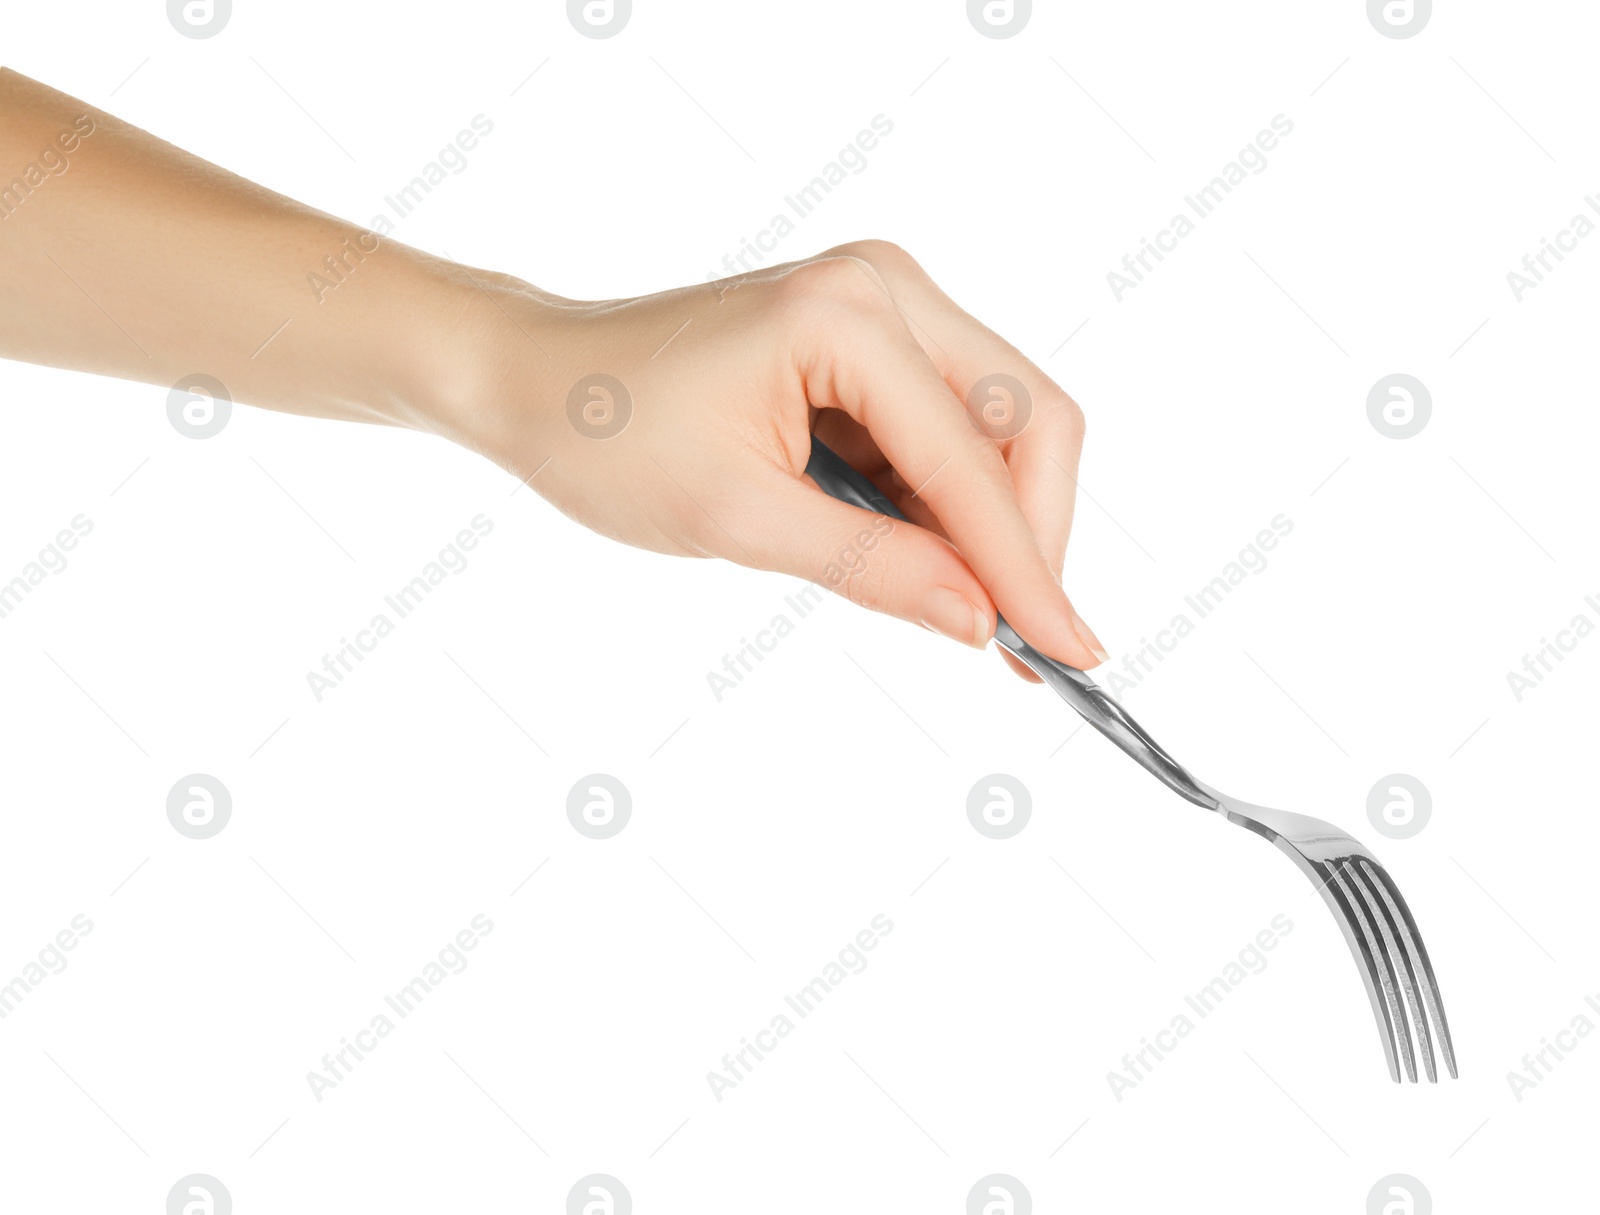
1086 635
951 614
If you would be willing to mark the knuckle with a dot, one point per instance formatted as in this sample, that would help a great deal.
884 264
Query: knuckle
980 455
842 281
859 568
1060 413
881 253
991 460
866 586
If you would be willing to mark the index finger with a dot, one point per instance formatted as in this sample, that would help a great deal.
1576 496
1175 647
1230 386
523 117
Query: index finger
865 361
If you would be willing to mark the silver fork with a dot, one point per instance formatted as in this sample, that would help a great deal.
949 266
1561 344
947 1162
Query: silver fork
1364 899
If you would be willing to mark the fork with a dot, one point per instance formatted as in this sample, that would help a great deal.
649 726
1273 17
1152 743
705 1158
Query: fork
1364 899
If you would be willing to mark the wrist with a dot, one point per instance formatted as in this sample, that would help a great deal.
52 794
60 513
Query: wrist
483 369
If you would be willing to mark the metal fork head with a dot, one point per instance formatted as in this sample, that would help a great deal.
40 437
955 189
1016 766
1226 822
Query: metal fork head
1376 923
1375 920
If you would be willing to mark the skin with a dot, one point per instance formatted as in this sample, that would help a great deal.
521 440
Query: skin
140 261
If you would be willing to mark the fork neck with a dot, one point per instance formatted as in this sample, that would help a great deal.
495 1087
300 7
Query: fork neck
1097 707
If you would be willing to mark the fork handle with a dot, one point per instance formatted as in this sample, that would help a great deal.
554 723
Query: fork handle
839 480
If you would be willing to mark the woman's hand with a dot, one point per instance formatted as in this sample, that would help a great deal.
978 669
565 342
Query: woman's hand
681 422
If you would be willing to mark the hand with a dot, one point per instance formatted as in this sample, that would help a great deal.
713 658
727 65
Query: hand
697 442
716 387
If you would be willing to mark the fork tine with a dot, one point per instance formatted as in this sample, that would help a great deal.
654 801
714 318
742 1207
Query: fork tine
1361 945
1419 952
1395 1012
1399 961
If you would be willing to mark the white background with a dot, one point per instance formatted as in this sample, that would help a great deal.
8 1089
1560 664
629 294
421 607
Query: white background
769 828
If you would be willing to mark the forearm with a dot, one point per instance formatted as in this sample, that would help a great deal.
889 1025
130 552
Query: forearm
126 256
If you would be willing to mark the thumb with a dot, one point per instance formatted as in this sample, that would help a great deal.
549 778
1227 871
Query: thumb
888 565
